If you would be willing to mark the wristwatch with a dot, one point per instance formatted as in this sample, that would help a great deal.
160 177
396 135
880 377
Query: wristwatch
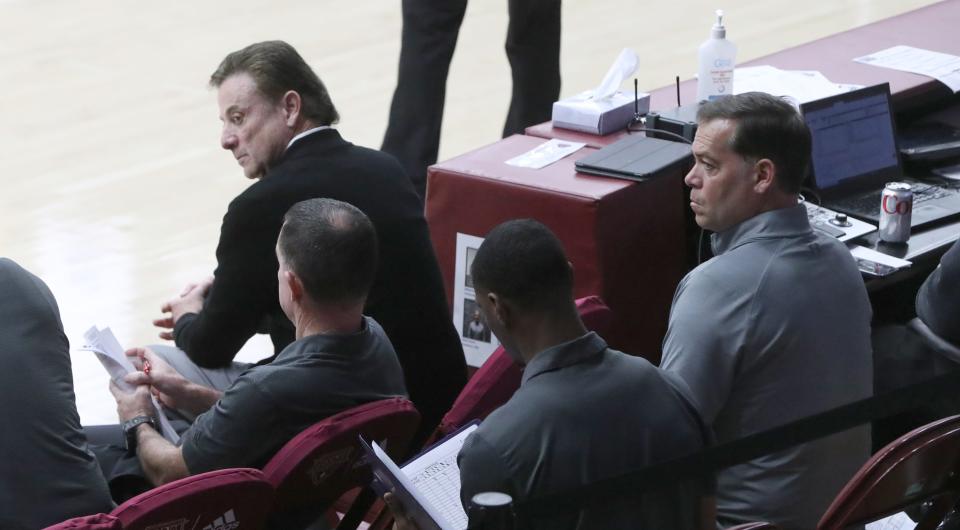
130 431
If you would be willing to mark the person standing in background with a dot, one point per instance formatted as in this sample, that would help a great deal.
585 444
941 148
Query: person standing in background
430 30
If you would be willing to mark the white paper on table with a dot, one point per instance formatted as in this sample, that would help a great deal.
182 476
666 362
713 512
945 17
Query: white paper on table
897 521
108 350
475 335
877 263
849 87
545 154
943 67
796 86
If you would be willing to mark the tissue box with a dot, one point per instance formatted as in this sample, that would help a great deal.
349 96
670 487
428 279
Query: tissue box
604 116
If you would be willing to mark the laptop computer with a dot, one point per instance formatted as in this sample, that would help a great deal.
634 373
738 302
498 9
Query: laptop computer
855 154
635 157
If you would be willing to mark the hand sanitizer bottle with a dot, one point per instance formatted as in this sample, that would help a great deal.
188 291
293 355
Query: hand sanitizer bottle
717 57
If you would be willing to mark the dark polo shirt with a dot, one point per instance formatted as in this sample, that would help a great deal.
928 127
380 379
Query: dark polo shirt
47 472
583 413
311 379
938 301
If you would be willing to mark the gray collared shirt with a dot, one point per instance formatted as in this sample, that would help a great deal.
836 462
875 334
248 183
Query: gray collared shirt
775 328
585 412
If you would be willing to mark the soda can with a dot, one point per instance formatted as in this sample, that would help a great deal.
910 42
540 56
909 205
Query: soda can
896 208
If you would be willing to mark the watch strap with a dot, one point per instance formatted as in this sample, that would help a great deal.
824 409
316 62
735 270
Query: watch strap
130 430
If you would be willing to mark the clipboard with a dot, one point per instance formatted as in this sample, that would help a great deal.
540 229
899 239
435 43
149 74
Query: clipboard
419 505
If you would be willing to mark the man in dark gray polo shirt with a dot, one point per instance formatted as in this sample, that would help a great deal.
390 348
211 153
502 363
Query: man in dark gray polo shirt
47 474
340 359
583 412
776 327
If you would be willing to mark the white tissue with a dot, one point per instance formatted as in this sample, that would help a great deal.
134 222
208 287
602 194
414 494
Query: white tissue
604 109
620 70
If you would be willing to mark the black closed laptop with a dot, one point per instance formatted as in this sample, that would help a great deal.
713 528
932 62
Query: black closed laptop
855 155
635 157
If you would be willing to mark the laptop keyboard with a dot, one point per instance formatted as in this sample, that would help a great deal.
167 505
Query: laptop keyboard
869 204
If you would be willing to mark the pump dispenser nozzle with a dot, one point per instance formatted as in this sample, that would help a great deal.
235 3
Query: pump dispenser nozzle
719 31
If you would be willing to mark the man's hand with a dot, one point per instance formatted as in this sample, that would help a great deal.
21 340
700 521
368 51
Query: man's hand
189 301
165 383
400 519
132 404
170 387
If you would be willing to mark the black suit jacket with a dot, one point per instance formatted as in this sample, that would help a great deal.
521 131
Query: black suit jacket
407 297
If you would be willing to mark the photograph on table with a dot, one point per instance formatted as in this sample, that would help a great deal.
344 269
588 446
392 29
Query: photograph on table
478 342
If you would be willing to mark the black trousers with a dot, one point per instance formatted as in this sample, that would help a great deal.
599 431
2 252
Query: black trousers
430 29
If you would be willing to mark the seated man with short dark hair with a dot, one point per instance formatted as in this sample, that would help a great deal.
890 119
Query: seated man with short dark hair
776 326
340 359
583 412
908 354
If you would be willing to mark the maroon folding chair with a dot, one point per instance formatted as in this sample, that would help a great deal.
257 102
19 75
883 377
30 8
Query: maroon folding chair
100 521
239 499
499 377
919 466
324 461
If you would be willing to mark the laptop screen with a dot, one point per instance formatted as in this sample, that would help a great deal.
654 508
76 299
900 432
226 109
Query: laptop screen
854 145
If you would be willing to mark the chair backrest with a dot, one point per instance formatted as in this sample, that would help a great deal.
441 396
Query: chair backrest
499 377
321 463
238 499
919 466
100 521
938 344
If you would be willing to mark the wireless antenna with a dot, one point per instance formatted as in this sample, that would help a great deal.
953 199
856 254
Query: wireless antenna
678 90
636 102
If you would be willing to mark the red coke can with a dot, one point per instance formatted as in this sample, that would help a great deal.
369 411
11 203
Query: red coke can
896 207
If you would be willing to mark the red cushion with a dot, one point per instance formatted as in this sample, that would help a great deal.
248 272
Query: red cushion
214 498
499 377
324 461
100 521
595 314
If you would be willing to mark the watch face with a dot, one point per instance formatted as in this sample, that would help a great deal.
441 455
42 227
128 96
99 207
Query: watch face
133 422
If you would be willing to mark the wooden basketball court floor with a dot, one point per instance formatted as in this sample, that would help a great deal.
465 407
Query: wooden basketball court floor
113 183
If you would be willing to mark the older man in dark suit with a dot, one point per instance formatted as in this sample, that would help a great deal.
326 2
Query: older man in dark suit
277 118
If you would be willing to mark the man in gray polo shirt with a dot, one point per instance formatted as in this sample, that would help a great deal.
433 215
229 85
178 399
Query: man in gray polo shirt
47 473
583 412
340 359
776 326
